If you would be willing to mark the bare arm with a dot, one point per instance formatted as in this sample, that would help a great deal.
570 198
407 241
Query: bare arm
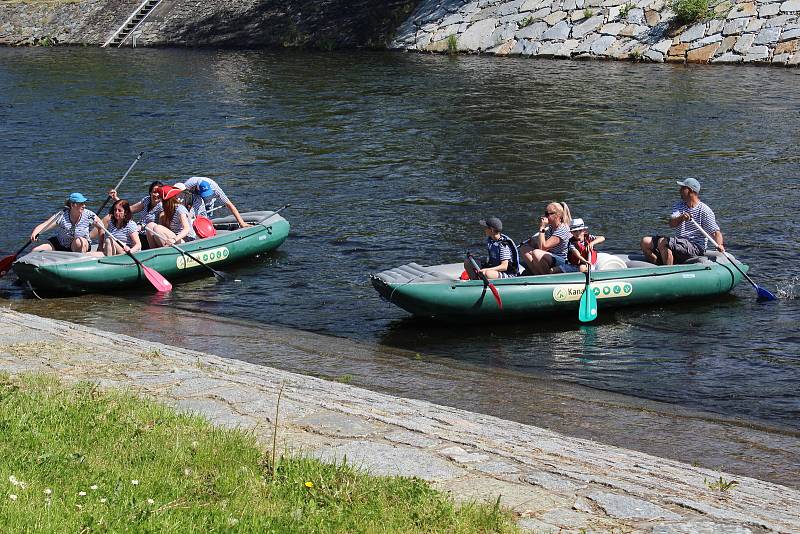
677 220
503 267
719 240
235 213
43 227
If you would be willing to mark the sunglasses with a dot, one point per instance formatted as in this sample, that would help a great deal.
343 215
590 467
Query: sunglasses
549 213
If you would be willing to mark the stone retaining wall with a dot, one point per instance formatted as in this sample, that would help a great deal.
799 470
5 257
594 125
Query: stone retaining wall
739 31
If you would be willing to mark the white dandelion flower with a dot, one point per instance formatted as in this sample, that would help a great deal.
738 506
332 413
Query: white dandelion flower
103 499
135 482
150 501
48 491
12 496
82 493
93 487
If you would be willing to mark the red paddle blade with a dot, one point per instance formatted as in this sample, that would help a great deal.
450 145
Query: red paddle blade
5 264
158 281
496 296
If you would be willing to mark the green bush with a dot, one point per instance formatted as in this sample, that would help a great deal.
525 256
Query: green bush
688 11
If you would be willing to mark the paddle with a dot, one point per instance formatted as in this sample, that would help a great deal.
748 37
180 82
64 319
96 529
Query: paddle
153 276
216 273
116 188
587 309
763 294
5 263
486 282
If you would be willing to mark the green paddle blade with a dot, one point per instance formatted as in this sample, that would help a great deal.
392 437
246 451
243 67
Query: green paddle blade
587 310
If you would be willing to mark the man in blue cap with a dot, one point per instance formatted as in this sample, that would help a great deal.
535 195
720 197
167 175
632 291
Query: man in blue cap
688 240
205 192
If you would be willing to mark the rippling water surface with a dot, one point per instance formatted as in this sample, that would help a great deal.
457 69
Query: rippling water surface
389 158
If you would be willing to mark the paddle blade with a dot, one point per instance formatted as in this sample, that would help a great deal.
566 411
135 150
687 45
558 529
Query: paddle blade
155 278
5 264
587 311
496 296
764 295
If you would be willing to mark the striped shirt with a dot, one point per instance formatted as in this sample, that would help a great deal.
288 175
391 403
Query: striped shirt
124 234
192 184
562 232
150 212
175 224
67 232
198 208
704 217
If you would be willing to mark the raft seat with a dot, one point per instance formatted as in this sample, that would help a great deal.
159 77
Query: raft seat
414 272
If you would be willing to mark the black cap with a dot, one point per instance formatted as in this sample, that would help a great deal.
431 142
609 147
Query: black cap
492 222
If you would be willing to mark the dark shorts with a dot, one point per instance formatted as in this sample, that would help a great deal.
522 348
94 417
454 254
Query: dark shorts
56 244
143 240
682 249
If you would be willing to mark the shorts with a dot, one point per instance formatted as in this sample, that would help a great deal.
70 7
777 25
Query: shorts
56 244
143 240
557 261
682 249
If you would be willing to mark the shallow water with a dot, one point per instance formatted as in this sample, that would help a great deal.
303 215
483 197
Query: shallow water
389 158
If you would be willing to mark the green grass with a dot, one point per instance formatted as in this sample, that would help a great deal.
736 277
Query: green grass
688 11
78 459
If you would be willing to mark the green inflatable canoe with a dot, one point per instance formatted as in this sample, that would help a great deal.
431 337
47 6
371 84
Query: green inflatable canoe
72 272
437 291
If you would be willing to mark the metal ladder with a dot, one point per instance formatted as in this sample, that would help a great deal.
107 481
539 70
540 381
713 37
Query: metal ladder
134 21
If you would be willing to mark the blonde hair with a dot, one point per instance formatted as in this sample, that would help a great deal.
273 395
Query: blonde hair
562 210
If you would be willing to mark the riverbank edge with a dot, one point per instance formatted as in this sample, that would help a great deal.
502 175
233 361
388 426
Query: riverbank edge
551 481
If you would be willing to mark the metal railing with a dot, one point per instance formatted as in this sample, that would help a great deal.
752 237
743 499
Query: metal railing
121 29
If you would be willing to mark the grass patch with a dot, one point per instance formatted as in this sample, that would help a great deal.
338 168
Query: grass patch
78 459
688 11
452 44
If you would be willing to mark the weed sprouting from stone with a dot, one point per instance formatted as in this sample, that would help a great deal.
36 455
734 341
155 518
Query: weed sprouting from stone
720 485
525 22
587 13
624 10
452 45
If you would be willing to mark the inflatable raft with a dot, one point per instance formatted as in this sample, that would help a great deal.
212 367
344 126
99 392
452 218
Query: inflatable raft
73 272
438 292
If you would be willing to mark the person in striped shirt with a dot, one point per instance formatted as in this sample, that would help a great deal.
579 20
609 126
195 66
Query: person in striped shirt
503 260
546 252
688 241
207 191
72 225
174 225
122 228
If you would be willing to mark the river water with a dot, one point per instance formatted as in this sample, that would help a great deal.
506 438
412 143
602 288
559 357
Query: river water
389 158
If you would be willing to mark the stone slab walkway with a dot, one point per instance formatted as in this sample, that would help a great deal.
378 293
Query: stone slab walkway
554 483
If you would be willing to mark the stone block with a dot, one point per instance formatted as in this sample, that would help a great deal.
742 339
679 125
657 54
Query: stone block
767 36
781 59
755 25
634 30
693 33
456 18
784 21
478 36
747 9
767 10
790 6
555 17
533 5
700 527
503 33
744 43
728 57
624 507
602 44
583 48
489 12
569 5
636 16
590 25
652 17
662 46
702 54
794 60
559 32
503 49
727 44
678 50
716 38
534 31
714 26
611 29
735 27
787 47
654 55
790 34
757 54
525 47
508 8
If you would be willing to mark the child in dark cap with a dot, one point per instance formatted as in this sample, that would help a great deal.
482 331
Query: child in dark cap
503 260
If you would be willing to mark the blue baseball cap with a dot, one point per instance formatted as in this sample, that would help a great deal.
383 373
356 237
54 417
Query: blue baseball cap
691 183
77 198
204 188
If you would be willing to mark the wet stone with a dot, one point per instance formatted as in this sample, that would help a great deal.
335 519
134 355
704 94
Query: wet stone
414 439
383 459
624 507
336 424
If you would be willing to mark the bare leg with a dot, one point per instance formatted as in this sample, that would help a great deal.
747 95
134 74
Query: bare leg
44 247
541 263
666 253
526 255
647 250
159 235
80 244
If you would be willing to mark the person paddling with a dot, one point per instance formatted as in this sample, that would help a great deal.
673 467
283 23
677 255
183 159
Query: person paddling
122 228
503 260
208 191
688 241
546 252
72 227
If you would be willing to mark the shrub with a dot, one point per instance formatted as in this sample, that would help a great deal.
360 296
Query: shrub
688 11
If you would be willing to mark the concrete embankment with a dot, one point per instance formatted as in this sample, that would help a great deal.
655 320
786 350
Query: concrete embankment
735 31
233 23
551 481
